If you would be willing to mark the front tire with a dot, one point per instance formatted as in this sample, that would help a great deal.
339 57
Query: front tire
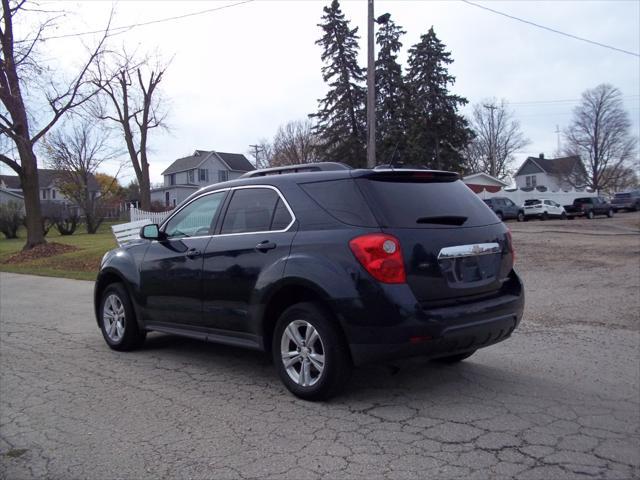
499 215
610 213
521 217
309 352
544 216
117 319
590 215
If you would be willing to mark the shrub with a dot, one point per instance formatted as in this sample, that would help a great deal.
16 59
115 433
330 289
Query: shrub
11 217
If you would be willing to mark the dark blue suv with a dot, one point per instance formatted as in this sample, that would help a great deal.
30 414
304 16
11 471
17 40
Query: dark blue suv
323 266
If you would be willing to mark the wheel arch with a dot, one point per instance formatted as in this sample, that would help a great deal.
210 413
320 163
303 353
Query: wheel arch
288 293
107 277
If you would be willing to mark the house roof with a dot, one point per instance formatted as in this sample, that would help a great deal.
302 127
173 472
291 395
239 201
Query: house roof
233 161
10 181
236 161
187 163
554 166
484 179
46 177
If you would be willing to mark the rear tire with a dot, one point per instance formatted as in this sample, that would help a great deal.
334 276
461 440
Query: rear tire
590 215
610 213
309 352
544 216
118 320
499 215
454 358
563 216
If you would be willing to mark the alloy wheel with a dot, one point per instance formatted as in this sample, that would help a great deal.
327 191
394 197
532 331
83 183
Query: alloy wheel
113 318
302 353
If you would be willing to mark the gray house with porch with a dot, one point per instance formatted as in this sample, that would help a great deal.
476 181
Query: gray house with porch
202 168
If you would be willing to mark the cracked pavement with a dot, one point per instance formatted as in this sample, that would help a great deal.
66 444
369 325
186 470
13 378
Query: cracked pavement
555 401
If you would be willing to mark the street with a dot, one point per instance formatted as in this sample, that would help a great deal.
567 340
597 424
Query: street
560 399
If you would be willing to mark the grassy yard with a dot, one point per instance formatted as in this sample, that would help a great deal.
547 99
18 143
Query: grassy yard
81 264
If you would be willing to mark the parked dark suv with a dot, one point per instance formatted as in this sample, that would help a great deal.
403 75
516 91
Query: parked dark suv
505 209
323 266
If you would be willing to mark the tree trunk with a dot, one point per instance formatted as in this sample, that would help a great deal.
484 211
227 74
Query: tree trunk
31 192
145 188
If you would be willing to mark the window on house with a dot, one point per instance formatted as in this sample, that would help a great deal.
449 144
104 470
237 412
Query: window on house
172 179
192 176
531 180
53 194
166 199
203 174
44 194
223 175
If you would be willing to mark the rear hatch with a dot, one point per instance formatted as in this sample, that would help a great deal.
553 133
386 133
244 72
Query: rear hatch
453 245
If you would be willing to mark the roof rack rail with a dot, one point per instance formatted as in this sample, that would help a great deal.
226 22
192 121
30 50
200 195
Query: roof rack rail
303 167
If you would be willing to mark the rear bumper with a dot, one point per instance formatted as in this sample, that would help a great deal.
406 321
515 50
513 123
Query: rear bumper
441 331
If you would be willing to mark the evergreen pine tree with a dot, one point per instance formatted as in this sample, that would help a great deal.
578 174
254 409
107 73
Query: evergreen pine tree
437 133
341 114
390 95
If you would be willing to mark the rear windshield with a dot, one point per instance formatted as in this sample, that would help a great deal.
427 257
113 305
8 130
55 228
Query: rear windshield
582 200
409 204
532 202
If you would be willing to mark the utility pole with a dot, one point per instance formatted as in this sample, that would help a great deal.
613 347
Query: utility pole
558 134
371 92
257 149
492 142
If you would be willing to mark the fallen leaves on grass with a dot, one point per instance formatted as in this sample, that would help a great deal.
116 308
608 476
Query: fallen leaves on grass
41 251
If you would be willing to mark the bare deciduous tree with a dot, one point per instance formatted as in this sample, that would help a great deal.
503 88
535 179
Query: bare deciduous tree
600 133
130 98
498 137
77 156
295 143
17 115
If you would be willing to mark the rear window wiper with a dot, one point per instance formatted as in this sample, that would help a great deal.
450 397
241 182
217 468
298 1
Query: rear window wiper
443 220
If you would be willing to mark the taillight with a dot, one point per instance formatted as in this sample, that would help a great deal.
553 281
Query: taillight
381 256
510 243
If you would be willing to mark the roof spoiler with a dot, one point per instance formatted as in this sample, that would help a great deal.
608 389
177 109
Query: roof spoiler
304 167
409 175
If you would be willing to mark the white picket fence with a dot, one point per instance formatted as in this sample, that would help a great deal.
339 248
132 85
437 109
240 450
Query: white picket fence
135 214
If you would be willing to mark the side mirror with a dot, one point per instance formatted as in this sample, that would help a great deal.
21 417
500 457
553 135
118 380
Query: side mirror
152 232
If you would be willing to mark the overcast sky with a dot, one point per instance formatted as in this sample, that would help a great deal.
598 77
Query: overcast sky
240 72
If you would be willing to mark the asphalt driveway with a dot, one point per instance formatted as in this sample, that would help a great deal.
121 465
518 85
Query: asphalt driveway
555 401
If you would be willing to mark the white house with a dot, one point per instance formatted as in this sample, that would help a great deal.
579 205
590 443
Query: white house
553 173
51 198
188 174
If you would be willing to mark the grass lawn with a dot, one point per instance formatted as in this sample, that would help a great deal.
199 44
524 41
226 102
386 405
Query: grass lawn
81 264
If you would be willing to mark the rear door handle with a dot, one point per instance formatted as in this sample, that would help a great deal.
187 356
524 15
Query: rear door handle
193 253
266 245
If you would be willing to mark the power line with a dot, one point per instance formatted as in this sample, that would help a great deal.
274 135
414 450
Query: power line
570 100
117 30
575 37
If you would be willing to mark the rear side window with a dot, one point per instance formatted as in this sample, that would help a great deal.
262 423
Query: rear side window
281 216
253 210
342 200
418 204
